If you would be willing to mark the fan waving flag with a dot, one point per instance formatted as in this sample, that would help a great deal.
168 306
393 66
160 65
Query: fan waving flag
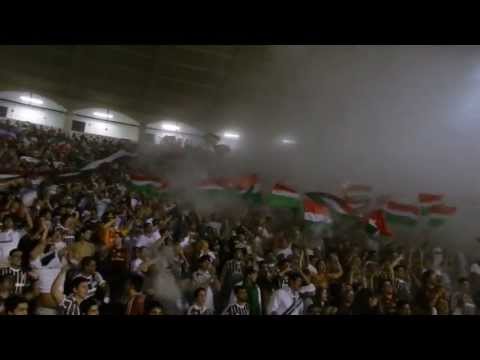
315 212
283 196
439 214
427 200
376 224
334 203
401 213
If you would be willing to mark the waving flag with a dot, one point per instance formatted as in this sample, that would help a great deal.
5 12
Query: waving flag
283 196
376 224
440 214
401 213
336 204
428 200
315 212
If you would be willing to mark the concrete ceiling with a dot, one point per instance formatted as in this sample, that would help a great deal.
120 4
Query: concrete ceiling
147 83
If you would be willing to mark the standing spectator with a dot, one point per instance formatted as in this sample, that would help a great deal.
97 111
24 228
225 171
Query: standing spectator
88 270
136 299
240 306
9 239
69 305
205 278
21 278
199 306
82 247
287 301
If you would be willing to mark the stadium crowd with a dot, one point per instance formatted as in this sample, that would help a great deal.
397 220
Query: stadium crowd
91 245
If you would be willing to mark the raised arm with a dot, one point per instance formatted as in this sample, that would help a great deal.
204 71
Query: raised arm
57 286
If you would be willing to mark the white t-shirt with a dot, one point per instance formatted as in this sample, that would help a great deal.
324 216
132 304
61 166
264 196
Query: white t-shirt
46 271
136 264
8 241
285 301
102 207
148 240
202 279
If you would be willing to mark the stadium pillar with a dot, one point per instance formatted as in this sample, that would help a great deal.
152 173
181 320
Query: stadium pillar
68 122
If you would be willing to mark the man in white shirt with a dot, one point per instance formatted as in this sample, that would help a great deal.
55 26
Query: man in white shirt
9 239
149 237
204 278
287 301
199 306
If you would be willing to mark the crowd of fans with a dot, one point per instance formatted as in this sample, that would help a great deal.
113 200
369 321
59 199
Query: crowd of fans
91 246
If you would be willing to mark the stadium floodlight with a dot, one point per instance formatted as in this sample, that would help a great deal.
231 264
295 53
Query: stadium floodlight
103 115
170 127
31 100
231 135
288 141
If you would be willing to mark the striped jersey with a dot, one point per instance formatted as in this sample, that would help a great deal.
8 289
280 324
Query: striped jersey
94 282
237 309
20 278
197 310
69 306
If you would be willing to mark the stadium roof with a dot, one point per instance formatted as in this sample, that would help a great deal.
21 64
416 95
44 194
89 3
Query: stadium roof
147 83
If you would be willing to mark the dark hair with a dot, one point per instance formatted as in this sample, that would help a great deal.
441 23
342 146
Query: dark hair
152 304
136 281
204 258
294 276
238 288
86 261
399 267
462 280
13 251
77 281
12 302
86 304
250 270
283 262
197 291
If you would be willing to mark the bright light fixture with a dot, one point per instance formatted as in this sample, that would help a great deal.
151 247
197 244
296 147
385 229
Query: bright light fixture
170 127
231 135
288 141
103 115
31 100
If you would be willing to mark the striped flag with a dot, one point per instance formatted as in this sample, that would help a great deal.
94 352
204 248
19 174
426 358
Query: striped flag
315 212
148 185
401 213
336 204
283 196
428 200
440 214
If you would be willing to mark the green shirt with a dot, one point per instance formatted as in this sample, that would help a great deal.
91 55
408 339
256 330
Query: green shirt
253 302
